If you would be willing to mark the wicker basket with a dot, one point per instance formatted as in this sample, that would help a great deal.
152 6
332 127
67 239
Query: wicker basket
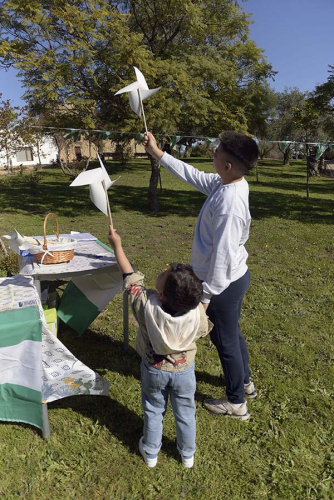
57 256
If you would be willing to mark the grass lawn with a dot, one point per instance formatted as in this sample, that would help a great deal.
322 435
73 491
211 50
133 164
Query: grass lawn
285 451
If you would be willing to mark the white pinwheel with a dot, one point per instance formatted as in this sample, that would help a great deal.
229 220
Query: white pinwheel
138 91
98 181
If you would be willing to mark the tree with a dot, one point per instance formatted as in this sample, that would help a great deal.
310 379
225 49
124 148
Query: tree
308 119
74 55
283 126
10 131
323 99
264 148
323 95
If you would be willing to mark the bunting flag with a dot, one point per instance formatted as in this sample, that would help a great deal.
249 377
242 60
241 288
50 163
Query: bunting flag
175 139
86 296
283 146
211 141
103 135
320 150
74 134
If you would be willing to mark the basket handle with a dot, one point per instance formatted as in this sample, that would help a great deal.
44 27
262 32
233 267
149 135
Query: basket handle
45 247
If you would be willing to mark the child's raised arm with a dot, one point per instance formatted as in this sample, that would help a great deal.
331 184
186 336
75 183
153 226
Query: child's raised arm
116 244
182 171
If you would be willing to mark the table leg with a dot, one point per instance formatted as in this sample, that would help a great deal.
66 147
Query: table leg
37 284
46 426
126 321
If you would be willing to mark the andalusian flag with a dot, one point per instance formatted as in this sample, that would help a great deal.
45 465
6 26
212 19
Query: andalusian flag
85 296
20 353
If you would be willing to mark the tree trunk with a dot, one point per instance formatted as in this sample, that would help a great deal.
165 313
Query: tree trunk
286 157
153 187
312 166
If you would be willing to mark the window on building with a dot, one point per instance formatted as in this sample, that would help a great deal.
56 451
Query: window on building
77 151
24 154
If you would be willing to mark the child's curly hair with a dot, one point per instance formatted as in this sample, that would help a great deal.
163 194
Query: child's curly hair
241 147
183 290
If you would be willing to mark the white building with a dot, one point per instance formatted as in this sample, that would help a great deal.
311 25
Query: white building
28 155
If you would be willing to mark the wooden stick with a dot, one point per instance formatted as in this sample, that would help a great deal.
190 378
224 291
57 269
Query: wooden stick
142 110
108 205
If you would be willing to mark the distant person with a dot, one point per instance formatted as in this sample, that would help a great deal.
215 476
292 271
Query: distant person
219 257
170 320
166 148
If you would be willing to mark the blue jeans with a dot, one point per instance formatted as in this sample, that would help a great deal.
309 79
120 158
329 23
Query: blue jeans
156 385
224 312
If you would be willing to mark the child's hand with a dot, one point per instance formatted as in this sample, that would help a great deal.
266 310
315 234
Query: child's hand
151 146
114 238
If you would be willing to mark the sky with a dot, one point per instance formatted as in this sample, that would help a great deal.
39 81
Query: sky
297 37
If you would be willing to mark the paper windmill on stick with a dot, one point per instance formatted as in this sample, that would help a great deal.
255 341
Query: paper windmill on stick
99 182
138 91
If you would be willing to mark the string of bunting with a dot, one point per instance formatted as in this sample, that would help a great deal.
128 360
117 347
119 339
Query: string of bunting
76 133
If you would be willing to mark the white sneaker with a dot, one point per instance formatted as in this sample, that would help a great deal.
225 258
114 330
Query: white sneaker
149 461
222 406
250 391
188 462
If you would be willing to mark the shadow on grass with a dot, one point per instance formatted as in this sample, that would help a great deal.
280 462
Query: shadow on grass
291 206
267 198
101 352
125 424
218 390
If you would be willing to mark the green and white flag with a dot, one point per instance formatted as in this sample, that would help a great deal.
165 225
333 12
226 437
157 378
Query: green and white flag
20 352
320 150
86 296
212 142
75 134
103 134
283 145
175 139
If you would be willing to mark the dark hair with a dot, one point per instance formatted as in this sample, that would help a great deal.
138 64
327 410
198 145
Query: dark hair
241 147
183 290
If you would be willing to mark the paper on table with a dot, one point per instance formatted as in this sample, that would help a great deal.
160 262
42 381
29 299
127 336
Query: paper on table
82 236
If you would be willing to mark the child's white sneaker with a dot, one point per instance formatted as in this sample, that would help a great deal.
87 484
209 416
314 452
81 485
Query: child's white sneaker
150 460
188 462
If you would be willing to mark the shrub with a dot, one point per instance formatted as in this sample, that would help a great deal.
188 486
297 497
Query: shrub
9 265
32 181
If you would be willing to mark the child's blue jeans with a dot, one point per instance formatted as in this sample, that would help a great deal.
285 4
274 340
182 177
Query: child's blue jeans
156 385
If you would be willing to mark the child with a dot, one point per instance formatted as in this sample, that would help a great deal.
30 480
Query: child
170 320
219 257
